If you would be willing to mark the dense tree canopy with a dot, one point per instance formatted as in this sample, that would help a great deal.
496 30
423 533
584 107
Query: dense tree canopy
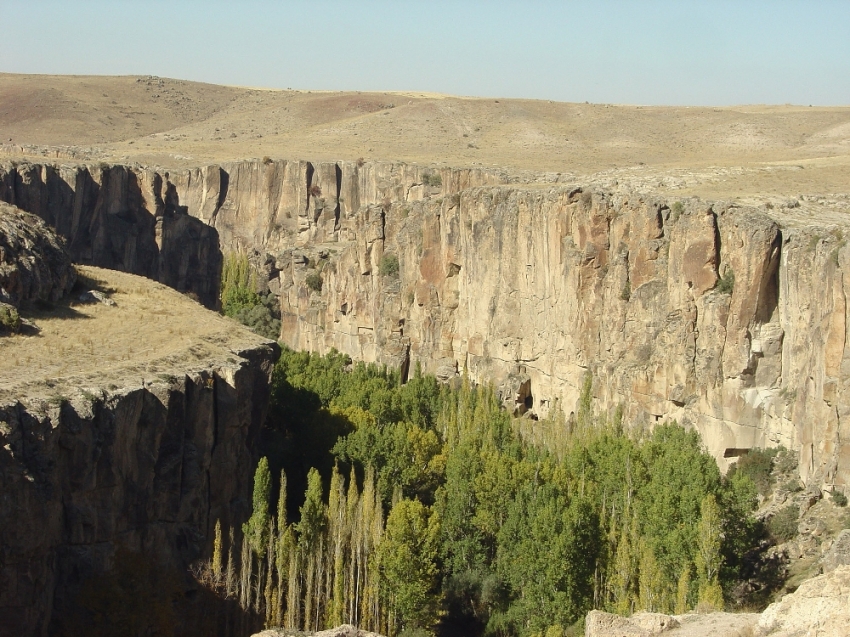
493 525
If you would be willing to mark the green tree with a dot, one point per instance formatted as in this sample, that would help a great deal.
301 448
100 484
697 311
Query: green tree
256 529
408 563
708 557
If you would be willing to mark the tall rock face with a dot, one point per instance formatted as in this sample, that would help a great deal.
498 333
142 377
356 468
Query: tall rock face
123 219
147 469
34 264
713 315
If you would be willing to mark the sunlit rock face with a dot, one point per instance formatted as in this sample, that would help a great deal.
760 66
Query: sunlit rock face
710 314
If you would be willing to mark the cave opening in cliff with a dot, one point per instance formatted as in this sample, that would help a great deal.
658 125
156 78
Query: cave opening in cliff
310 171
338 207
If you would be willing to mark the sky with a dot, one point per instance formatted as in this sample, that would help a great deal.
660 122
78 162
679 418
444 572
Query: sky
675 52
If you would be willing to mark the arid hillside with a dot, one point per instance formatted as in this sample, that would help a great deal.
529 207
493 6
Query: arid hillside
745 152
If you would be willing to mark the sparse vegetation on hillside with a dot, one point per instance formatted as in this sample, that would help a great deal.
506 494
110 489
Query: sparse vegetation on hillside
783 525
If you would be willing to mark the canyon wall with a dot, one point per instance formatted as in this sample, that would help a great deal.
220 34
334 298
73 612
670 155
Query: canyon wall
147 469
714 315
123 219
710 315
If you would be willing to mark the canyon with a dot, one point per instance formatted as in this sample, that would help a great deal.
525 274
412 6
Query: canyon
689 262
724 317
128 422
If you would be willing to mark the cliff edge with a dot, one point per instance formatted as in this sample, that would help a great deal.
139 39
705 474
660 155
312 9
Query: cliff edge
126 424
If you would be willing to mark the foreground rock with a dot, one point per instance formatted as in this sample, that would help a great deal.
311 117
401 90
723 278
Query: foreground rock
346 630
124 427
819 608
600 624
34 264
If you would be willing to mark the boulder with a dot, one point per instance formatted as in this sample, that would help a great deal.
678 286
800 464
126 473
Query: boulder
601 624
819 608
34 264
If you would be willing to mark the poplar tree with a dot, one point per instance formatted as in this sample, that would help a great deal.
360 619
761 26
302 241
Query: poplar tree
708 558
257 527
217 557
408 558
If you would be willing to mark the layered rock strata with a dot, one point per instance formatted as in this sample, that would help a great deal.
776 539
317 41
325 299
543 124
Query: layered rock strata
718 316
101 450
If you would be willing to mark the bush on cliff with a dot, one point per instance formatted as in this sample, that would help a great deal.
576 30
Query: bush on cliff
240 300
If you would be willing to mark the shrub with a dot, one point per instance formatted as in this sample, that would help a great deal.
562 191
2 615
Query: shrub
783 526
9 318
626 292
315 191
432 179
757 465
314 281
726 283
839 499
267 160
677 209
388 265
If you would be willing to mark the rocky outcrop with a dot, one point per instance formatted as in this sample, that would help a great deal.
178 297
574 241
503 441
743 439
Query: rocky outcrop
706 314
346 630
120 218
142 455
819 608
710 314
601 624
34 264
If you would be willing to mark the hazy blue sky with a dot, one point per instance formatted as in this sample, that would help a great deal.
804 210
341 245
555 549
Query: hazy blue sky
644 52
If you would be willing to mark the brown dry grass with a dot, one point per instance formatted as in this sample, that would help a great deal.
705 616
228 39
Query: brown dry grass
152 333
176 123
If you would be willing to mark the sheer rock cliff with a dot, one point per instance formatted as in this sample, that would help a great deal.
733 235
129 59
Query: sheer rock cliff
105 448
729 319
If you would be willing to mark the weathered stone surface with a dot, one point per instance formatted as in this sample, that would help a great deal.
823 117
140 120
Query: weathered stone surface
601 624
123 219
346 630
819 608
493 279
838 553
34 264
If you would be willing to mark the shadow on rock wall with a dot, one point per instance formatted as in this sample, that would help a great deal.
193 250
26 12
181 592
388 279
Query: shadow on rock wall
114 217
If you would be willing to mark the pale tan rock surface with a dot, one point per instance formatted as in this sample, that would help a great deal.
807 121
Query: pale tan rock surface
819 608
121 426
601 624
719 624
529 287
346 630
